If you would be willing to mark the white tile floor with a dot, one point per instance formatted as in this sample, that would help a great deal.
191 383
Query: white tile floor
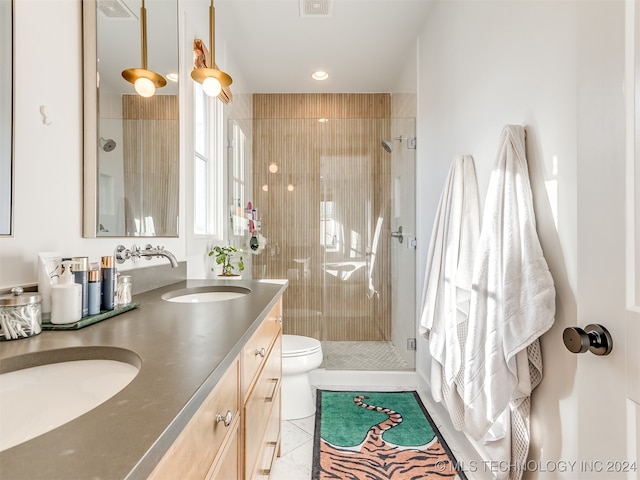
366 355
296 451
296 460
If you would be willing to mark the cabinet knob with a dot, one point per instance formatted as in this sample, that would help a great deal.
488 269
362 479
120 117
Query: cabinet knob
227 418
594 338
262 352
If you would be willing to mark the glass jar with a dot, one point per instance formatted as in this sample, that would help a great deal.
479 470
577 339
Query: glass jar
123 292
20 314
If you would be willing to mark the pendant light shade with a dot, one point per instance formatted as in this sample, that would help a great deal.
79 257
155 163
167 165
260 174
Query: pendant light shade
144 81
212 79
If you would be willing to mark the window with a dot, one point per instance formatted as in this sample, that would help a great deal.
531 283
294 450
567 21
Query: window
208 162
328 227
237 175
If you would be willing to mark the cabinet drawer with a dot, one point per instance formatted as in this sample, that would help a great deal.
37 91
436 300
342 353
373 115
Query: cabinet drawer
257 348
263 404
193 452
270 445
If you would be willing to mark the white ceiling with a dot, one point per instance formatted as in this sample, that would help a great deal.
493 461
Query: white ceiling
361 44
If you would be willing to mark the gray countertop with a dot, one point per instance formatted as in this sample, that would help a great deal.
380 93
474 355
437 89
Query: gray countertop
182 350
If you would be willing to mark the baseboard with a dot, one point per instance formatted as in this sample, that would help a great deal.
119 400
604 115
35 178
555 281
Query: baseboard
321 377
464 449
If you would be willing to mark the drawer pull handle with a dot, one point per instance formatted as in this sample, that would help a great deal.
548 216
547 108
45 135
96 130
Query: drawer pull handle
275 388
262 352
227 418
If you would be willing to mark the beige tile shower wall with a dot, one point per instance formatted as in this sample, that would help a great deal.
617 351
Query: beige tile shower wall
341 292
151 161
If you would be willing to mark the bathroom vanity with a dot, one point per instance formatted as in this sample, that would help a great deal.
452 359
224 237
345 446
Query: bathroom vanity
205 403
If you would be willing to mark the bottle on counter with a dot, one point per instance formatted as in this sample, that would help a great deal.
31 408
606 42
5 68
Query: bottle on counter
95 291
108 269
66 298
48 271
80 269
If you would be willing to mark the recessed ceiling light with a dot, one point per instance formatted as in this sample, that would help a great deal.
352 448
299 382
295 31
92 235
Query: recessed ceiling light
172 76
320 75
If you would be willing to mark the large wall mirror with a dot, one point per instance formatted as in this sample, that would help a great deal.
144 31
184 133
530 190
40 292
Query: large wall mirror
131 143
6 115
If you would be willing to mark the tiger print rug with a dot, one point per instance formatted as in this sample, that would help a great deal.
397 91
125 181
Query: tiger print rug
378 435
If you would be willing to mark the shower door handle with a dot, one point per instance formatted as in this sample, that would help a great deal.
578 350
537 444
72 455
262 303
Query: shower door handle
398 234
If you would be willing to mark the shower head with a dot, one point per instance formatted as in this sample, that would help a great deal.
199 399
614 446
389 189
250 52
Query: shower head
107 145
388 144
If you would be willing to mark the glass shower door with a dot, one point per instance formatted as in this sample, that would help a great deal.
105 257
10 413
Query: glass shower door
328 207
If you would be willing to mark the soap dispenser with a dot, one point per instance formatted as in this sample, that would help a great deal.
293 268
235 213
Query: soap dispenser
66 298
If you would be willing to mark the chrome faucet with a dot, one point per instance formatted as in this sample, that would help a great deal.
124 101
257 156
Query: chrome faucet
123 254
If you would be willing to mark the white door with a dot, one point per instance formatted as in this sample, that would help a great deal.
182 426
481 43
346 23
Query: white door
632 224
608 220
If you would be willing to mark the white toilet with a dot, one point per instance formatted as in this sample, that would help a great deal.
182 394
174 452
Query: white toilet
300 355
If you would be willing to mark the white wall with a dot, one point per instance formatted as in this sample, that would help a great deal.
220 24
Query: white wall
48 158
557 68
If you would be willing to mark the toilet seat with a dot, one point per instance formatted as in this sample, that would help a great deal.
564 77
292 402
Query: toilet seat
298 346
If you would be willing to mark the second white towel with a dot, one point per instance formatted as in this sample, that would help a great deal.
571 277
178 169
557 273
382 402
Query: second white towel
447 288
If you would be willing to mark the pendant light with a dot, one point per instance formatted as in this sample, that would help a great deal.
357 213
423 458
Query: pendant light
212 79
144 81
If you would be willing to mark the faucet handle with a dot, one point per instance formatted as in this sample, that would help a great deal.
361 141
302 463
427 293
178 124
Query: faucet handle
122 254
135 253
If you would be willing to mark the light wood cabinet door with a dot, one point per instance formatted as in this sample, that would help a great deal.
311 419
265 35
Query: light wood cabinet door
193 453
255 352
227 464
262 380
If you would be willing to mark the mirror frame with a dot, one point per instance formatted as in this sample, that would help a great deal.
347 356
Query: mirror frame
8 170
91 129
90 122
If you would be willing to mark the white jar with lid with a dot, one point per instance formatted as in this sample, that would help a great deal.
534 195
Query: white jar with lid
123 292
20 314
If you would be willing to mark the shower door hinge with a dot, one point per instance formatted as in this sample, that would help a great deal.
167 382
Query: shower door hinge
411 343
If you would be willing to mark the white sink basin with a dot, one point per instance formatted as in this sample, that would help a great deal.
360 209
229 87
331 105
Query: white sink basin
36 400
217 293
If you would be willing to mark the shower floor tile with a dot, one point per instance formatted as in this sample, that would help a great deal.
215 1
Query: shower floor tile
362 356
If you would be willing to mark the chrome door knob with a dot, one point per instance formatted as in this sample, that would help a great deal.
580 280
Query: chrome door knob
594 338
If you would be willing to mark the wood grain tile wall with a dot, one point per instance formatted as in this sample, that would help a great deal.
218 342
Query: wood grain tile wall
151 163
339 288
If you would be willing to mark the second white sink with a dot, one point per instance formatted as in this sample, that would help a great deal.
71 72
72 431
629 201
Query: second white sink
217 293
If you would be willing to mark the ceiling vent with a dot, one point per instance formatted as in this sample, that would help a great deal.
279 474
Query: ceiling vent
315 8
115 10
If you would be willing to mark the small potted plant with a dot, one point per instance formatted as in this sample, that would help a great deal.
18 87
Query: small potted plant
224 256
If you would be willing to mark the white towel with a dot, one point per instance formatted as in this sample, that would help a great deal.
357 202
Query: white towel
512 305
447 286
